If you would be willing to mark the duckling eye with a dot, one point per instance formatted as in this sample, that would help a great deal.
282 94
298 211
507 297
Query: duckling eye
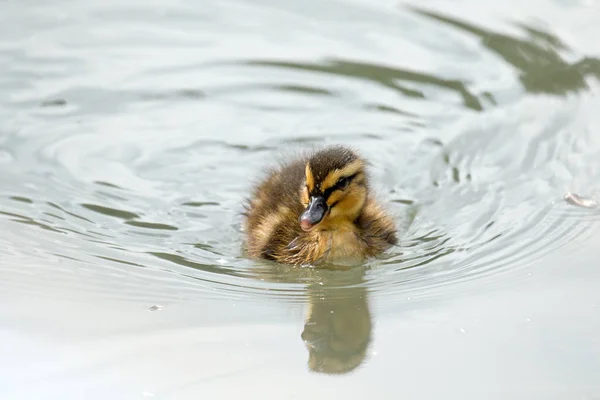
342 183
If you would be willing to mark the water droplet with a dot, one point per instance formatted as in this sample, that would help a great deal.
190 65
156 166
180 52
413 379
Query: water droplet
147 394
463 330
155 307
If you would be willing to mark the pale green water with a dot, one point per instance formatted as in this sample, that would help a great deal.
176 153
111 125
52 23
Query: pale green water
130 133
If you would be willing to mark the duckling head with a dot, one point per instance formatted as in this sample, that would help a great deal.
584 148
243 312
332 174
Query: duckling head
335 189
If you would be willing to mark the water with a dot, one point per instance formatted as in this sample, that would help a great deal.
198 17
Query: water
132 131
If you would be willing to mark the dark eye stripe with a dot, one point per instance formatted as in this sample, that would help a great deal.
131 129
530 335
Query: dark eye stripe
332 189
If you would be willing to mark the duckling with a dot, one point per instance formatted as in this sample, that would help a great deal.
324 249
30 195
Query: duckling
317 209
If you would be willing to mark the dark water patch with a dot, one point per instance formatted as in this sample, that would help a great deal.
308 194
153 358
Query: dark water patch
327 138
21 199
434 141
88 234
66 257
303 90
455 175
207 247
403 201
189 94
541 67
151 225
425 238
386 76
8 214
204 144
116 260
200 203
29 221
543 37
490 97
54 205
389 109
303 140
283 88
450 169
38 222
196 215
183 261
54 103
415 124
111 212
54 216
108 184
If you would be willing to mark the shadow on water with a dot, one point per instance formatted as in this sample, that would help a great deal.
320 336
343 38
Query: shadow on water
22 219
541 67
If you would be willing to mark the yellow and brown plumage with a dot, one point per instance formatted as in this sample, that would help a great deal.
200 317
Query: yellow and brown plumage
317 209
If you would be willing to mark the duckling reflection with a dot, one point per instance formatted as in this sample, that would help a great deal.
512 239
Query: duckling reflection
337 331
337 327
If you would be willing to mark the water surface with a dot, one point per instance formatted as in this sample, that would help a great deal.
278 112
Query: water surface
131 133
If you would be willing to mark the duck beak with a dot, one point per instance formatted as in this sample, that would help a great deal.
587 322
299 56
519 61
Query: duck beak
314 213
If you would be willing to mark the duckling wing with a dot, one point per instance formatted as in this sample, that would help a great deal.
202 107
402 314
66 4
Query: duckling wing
272 213
376 228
